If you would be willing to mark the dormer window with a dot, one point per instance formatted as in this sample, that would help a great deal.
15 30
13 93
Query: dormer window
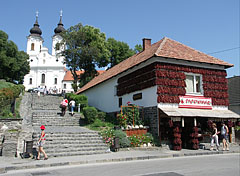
32 46
193 84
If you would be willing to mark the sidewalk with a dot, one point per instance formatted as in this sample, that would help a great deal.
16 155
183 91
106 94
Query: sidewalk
8 164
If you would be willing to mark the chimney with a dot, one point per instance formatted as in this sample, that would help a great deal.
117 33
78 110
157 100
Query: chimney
146 43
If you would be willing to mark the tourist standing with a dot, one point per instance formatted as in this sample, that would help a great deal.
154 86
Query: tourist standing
224 133
41 142
45 90
38 92
72 104
214 137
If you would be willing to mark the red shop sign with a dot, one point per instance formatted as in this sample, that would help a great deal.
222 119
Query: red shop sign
196 102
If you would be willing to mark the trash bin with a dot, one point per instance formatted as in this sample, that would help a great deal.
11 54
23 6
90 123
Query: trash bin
116 145
29 146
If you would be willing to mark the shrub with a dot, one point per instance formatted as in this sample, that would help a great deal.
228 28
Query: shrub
90 113
123 140
122 120
132 113
101 115
108 136
79 99
137 140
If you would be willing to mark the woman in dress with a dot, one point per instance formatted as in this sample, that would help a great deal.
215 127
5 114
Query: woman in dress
41 142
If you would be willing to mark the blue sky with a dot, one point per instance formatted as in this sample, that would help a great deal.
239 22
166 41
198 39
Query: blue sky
206 25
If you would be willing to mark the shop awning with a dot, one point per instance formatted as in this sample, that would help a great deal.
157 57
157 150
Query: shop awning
183 112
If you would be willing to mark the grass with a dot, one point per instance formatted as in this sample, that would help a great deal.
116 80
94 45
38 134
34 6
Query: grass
99 125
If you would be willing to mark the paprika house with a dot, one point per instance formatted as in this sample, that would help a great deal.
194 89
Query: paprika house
176 85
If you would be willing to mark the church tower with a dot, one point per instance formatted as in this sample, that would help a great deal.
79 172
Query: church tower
34 41
57 37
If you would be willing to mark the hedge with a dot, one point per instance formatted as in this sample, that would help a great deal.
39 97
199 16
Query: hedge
79 99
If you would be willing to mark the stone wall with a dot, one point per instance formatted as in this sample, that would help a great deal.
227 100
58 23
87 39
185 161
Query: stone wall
13 132
151 117
9 134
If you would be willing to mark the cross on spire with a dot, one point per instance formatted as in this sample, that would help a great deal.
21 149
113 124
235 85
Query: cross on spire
37 13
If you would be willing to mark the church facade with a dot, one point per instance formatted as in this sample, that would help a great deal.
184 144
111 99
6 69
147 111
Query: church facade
45 69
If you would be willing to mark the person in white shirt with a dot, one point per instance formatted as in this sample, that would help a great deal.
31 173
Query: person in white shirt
72 104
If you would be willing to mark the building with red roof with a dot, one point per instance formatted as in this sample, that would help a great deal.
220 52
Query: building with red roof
173 83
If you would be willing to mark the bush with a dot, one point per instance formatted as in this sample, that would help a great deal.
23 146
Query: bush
90 113
138 140
101 115
107 136
123 140
8 94
79 99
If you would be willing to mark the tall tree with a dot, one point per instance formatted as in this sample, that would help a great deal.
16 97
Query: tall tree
138 48
119 51
85 48
14 64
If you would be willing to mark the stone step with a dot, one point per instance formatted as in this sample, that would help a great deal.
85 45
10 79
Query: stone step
71 142
80 134
73 146
78 153
56 124
81 149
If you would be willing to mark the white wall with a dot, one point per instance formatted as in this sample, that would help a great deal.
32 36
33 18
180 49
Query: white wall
103 95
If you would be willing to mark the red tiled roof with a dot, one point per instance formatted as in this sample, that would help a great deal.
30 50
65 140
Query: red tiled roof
69 77
167 48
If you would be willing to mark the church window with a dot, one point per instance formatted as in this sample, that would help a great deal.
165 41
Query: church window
57 46
44 61
32 46
44 54
30 81
55 80
64 86
43 78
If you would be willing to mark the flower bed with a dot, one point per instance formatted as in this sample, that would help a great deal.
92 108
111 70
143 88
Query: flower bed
131 132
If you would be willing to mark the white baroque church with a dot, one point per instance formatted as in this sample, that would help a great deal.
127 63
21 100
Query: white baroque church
46 69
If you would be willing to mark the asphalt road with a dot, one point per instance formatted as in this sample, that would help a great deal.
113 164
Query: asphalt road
212 165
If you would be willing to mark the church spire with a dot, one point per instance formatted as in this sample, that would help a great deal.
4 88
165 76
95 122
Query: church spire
36 30
60 27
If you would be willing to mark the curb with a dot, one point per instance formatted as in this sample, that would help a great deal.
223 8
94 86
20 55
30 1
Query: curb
150 157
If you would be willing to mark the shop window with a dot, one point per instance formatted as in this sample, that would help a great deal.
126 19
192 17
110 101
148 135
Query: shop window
43 79
64 86
193 84
30 81
55 80
32 46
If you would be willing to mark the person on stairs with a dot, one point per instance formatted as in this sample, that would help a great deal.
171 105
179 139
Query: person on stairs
64 105
41 142
72 105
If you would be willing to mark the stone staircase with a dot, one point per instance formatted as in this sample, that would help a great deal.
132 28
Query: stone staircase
64 135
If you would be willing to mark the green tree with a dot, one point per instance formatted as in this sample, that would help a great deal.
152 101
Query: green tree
85 48
14 64
119 51
138 48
